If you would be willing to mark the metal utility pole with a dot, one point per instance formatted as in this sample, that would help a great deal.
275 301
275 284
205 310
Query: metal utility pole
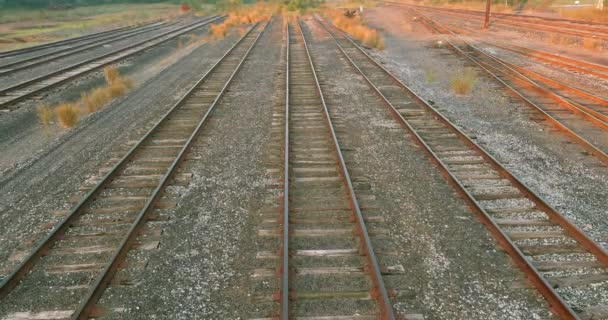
486 23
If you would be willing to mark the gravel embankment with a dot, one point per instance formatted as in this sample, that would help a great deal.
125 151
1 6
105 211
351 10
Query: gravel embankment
453 269
544 159
202 269
23 138
46 68
50 170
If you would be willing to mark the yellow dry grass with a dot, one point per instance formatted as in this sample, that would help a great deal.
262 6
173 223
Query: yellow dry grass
116 86
592 44
95 99
45 114
356 28
111 74
67 115
462 82
259 12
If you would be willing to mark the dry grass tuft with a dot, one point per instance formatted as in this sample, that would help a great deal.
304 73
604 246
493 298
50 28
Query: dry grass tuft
357 29
111 74
260 12
94 100
592 44
67 115
431 75
462 82
45 114
118 88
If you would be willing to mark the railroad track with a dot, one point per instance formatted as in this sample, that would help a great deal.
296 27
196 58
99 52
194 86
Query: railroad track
29 88
79 257
580 115
508 21
566 23
70 41
570 64
578 66
25 63
559 259
327 264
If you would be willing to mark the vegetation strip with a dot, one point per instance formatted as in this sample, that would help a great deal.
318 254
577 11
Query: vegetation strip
441 140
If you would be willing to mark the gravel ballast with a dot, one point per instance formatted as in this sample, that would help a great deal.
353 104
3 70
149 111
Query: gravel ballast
53 169
544 159
205 258
453 270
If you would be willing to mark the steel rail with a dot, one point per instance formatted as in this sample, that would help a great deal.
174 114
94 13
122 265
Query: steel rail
379 289
584 24
525 75
562 61
557 304
591 148
169 36
522 75
598 118
26 50
41 249
87 305
555 28
55 55
284 268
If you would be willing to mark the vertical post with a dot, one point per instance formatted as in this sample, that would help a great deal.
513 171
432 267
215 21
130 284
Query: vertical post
486 23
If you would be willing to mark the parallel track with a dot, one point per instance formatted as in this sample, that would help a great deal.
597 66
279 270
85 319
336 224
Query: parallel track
26 89
29 62
318 196
579 30
86 248
583 118
555 255
578 66
567 63
60 43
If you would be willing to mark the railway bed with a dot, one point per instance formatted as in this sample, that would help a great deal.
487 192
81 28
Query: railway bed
82 253
61 43
557 257
582 118
10 96
326 266
16 65
599 32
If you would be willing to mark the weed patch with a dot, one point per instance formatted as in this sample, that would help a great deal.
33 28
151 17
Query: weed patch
462 82
67 115
45 115
357 28
260 12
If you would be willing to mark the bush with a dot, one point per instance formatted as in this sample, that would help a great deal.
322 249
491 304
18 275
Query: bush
242 16
111 74
45 114
356 27
463 81
67 115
